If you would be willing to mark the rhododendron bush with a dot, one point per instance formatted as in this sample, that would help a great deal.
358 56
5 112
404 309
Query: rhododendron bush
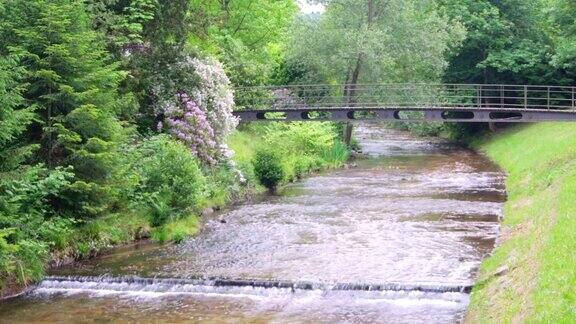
187 122
198 111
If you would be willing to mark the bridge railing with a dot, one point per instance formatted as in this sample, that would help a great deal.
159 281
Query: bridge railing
412 96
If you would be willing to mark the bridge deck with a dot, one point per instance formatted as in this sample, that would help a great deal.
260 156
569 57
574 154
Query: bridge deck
408 114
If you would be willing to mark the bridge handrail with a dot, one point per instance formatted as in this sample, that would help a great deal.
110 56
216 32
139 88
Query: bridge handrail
408 94
473 85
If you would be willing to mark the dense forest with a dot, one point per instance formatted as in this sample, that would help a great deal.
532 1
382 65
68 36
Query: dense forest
116 115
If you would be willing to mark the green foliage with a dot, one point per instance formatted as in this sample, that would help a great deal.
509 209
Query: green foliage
29 224
247 35
222 185
132 23
177 231
30 259
170 25
268 168
160 209
73 85
244 144
149 37
373 41
122 21
14 116
505 42
25 258
312 138
302 147
7 252
337 155
562 30
168 178
28 201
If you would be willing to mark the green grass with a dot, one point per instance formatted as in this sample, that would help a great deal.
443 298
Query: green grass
304 148
177 231
104 232
244 144
538 238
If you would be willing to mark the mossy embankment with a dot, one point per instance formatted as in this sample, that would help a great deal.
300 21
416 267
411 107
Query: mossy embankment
531 276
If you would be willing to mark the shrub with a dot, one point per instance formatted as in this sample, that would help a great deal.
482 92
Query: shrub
215 94
27 201
7 252
268 168
169 181
161 234
222 185
56 232
30 259
160 209
29 224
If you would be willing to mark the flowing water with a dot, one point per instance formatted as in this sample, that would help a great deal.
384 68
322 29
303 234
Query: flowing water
397 238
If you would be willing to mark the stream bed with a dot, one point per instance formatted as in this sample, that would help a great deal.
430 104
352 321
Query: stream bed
397 238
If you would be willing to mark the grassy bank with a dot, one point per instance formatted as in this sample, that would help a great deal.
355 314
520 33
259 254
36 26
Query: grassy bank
531 277
300 147
160 193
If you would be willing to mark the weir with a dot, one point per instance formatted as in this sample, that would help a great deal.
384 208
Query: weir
191 285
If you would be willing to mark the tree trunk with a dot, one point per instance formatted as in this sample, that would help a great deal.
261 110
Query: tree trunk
350 93
351 88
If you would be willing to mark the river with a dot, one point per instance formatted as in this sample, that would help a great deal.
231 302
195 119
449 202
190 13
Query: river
397 238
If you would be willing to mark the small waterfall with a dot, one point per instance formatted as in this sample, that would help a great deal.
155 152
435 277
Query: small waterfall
216 285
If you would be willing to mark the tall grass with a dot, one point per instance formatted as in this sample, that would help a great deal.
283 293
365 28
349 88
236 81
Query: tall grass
336 156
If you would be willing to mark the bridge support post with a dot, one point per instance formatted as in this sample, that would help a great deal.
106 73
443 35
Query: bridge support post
492 127
347 136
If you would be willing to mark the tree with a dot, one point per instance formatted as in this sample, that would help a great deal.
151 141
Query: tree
15 116
246 35
375 41
72 82
73 85
561 27
505 42
122 21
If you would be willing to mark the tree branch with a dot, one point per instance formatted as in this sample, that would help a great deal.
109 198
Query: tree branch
243 17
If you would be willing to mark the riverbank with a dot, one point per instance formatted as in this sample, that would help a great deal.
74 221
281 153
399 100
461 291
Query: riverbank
411 212
305 148
531 275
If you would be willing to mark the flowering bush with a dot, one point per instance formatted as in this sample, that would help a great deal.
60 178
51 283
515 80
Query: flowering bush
201 115
215 95
188 123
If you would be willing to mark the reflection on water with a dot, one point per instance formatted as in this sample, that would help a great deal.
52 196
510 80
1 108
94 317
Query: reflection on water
415 212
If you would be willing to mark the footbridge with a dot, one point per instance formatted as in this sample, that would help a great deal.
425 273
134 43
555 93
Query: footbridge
407 102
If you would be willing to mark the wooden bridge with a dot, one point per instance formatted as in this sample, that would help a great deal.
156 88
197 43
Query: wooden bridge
407 102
